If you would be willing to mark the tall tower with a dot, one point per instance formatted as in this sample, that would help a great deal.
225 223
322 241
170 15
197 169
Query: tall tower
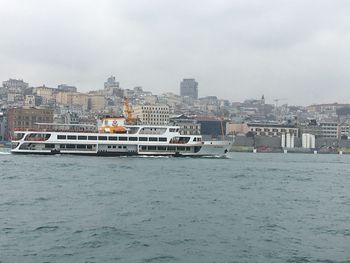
189 87
111 83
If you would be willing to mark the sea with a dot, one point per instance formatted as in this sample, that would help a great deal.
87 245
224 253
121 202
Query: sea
248 207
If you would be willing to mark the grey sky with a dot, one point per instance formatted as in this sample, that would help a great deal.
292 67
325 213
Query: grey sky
298 50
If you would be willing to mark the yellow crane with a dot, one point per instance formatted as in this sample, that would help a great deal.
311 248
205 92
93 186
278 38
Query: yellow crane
127 110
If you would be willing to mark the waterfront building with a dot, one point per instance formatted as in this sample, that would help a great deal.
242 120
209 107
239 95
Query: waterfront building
152 114
322 129
187 125
262 129
212 127
272 129
27 118
344 130
189 88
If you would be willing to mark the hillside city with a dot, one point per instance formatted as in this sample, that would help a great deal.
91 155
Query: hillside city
253 122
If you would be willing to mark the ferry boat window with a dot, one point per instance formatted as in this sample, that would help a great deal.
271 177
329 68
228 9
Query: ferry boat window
132 138
109 147
144 148
144 139
49 146
180 148
14 145
161 148
71 137
89 146
119 147
188 149
162 139
19 136
124 147
81 146
152 148
61 137
62 146
102 138
153 139
194 139
92 138
172 130
113 138
123 138
114 146
70 146
82 137
171 148
196 149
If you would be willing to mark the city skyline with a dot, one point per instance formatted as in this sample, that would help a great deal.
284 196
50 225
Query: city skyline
67 87
235 50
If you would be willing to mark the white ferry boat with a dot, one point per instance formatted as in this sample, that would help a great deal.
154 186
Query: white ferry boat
114 138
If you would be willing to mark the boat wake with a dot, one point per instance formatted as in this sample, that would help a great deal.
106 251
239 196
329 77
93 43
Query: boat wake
217 157
148 156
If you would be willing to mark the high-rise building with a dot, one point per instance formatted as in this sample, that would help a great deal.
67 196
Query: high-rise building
189 88
111 83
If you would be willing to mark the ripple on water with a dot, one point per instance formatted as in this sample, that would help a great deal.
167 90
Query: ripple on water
259 208
165 258
46 228
299 259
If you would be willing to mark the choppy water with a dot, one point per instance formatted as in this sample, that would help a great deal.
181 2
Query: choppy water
250 208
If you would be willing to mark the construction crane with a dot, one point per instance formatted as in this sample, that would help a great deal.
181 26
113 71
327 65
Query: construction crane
277 100
127 110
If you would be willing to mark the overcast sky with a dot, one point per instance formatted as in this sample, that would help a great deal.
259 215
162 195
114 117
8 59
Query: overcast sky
296 50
